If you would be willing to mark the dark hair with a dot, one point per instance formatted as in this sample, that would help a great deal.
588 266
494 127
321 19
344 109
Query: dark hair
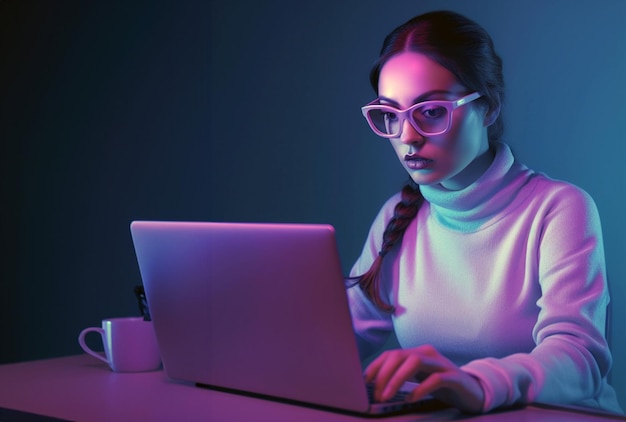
465 49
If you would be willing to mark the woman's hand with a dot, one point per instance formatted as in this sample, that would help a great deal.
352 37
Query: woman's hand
437 375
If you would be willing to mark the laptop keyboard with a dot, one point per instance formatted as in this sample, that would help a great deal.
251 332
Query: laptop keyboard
399 396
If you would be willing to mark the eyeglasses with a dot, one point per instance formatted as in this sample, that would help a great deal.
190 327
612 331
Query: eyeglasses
428 118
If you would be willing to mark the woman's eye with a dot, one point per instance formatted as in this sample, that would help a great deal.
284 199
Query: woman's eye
434 112
390 116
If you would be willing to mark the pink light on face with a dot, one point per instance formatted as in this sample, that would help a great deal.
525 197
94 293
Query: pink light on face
409 78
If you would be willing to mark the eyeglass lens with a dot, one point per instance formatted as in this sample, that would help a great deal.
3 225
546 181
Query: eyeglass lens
431 119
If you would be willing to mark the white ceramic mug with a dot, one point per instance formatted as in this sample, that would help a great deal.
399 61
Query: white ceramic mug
129 344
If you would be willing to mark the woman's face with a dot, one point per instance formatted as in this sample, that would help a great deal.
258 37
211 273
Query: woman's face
455 158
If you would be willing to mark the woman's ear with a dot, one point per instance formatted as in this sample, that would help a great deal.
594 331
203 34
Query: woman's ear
492 113
491 116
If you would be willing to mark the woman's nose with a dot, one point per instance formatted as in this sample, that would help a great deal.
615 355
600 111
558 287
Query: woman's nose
409 134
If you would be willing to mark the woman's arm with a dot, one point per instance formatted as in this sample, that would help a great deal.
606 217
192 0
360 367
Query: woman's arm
571 359
371 325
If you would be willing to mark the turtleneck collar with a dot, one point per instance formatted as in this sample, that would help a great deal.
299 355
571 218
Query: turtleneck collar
470 208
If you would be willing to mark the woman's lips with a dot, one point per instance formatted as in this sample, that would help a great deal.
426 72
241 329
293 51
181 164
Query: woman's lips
415 162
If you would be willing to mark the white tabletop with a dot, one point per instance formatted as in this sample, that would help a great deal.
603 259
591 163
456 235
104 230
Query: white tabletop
84 389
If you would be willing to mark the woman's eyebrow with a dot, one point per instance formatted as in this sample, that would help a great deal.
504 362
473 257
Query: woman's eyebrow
423 97
388 101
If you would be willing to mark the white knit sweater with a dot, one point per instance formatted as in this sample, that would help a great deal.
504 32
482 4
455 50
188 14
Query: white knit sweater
507 279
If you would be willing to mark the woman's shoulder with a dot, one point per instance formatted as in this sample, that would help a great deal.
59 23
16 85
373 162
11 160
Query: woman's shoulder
385 213
559 195
549 187
391 202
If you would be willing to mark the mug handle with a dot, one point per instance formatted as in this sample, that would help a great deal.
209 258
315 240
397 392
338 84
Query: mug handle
81 341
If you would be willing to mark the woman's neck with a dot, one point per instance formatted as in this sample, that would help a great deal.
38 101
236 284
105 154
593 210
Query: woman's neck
472 172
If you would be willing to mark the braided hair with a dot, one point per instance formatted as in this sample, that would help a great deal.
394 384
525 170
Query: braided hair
403 213
466 50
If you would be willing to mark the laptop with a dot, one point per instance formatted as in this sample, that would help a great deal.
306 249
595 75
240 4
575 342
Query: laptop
255 308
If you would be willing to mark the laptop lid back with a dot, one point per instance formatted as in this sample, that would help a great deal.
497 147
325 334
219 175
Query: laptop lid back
260 308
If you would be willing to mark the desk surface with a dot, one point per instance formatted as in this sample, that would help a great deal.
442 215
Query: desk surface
82 388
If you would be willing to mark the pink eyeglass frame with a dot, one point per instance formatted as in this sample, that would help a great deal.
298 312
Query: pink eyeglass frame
407 114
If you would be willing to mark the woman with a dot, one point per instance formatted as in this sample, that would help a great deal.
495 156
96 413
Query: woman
491 276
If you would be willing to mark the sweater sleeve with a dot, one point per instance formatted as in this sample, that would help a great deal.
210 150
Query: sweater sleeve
571 359
371 326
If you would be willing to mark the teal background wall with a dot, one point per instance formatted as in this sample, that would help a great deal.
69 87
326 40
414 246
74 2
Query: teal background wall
249 111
